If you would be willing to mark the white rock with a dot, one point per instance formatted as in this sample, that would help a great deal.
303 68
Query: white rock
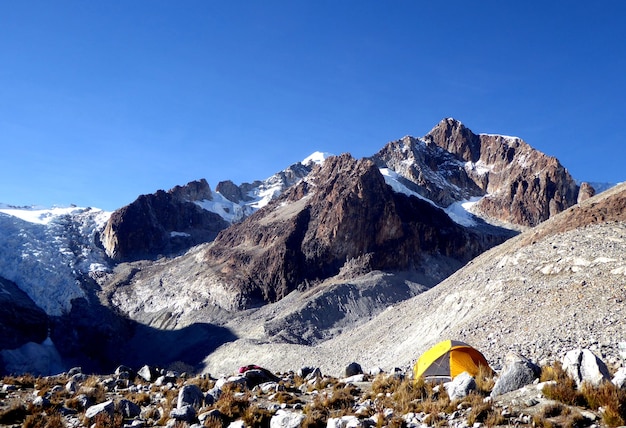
286 419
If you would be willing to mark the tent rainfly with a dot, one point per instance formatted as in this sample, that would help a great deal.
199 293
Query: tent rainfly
448 359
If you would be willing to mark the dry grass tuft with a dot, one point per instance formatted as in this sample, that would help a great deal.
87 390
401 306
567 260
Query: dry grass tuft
25 381
255 416
485 380
233 403
608 396
14 413
204 383
54 420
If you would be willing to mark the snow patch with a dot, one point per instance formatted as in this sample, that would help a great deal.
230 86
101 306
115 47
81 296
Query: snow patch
174 234
316 157
460 213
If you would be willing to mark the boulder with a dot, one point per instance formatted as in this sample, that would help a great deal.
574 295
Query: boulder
584 366
106 407
184 413
517 372
315 374
353 369
190 395
286 419
127 409
460 386
148 373
619 379
256 377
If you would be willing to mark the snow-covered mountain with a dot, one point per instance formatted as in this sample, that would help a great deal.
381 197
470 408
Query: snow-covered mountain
76 263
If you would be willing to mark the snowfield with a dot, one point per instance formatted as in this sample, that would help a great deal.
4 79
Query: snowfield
45 251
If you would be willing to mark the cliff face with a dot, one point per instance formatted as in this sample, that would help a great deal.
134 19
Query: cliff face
525 186
342 218
162 223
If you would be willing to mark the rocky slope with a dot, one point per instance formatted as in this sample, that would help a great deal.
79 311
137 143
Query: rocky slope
343 216
553 288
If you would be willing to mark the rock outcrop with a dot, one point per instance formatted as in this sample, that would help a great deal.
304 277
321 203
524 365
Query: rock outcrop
343 215
162 223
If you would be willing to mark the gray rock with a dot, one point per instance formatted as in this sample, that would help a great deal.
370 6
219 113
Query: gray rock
353 369
303 372
460 386
128 409
619 379
583 366
184 413
40 401
315 374
286 419
212 396
147 373
74 370
71 387
190 395
516 373
106 407
256 377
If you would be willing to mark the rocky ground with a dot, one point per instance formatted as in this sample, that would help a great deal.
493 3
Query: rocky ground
254 396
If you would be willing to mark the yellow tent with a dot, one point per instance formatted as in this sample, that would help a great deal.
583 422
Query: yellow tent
448 359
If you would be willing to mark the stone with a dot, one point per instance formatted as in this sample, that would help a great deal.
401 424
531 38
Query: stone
106 407
256 377
127 408
516 373
191 395
353 369
344 422
354 379
286 419
148 373
460 386
316 373
212 396
303 372
74 370
584 366
185 413
124 372
71 387
619 379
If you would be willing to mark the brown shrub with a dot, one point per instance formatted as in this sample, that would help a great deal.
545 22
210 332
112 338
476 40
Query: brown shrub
608 396
54 420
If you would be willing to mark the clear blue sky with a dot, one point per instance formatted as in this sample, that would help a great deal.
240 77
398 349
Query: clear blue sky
101 101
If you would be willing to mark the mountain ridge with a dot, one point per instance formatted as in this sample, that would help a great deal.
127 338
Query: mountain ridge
332 229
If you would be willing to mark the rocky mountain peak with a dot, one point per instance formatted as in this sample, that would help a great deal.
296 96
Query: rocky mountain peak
452 136
197 190
517 184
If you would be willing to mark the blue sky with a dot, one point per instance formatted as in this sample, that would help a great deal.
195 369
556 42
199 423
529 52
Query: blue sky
101 101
